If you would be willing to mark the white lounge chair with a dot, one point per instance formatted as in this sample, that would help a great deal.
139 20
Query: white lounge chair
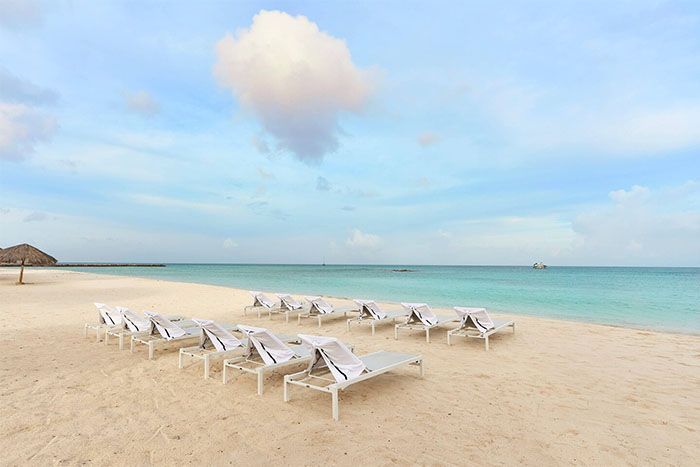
321 309
265 352
163 331
288 305
371 314
261 302
329 355
107 317
215 341
422 318
131 324
476 323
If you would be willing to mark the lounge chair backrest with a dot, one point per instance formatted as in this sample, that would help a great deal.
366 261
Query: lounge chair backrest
319 306
260 299
420 312
477 317
167 329
330 352
108 315
289 302
267 345
134 322
215 334
370 309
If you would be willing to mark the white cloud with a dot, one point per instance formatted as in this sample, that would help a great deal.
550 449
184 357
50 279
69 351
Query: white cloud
642 226
359 239
17 90
141 102
260 144
428 138
176 203
21 129
15 14
230 244
35 216
322 184
297 79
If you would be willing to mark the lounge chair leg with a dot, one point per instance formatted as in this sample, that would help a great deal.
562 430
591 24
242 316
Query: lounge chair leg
319 321
224 373
448 338
132 344
334 397
396 332
179 360
421 368
348 325
206 367
286 389
427 336
261 381
486 343
299 319
106 337
121 341
151 350
372 328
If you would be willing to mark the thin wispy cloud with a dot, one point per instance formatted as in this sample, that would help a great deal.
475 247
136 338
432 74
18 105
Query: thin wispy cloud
143 103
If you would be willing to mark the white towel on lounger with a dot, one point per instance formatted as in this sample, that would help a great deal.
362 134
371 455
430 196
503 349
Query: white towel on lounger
108 315
321 306
370 307
220 338
134 322
329 351
289 302
478 317
260 299
268 346
165 327
420 312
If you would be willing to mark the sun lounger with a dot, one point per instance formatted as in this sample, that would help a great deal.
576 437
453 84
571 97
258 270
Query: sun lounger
476 323
371 314
330 356
422 318
107 317
265 352
215 341
131 324
163 331
261 302
288 305
321 309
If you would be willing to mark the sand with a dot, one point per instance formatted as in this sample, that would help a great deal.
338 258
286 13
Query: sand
555 392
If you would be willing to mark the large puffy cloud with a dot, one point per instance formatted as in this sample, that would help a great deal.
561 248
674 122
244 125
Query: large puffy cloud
21 128
295 78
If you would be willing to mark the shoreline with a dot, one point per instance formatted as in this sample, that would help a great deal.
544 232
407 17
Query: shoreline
509 313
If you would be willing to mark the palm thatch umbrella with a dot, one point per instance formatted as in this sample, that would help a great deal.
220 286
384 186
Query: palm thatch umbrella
25 254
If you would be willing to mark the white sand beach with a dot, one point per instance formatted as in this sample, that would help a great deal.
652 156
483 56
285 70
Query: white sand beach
553 393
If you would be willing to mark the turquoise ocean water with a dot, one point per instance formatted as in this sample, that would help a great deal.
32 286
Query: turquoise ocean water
662 298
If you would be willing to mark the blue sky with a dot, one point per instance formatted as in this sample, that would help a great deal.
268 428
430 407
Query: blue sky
381 132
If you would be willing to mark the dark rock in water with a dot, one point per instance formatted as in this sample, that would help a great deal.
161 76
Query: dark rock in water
403 270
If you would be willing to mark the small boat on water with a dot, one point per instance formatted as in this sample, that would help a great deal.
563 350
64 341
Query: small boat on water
539 265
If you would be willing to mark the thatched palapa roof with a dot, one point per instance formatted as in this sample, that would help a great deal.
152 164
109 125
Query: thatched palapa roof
26 254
